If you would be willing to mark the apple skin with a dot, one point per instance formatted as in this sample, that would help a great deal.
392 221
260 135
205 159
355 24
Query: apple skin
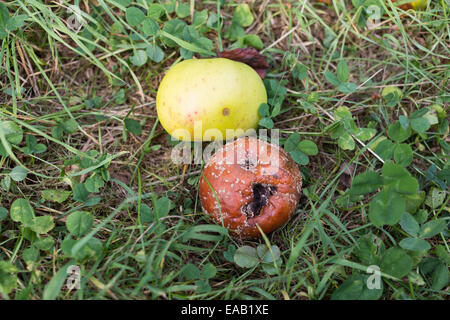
419 4
416 4
221 93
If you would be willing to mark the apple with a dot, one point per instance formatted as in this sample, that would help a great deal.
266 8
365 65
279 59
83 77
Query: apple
419 4
199 99
258 191
416 4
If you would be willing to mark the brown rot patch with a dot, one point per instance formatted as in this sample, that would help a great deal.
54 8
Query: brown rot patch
225 111
261 194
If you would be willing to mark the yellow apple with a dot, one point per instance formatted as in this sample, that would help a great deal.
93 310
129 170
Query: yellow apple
416 4
419 4
199 99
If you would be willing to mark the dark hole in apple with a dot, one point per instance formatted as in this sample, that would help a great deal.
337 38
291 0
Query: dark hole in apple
261 194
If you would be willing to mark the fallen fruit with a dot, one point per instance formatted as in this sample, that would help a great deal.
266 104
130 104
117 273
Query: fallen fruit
416 5
218 94
250 182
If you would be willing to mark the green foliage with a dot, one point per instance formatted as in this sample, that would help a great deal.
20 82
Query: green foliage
134 16
341 78
300 149
79 223
8 277
397 201
242 15
64 127
44 244
300 71
365 11
32 146
246 257
192 272
414 244
89 251
396 262
419 121
43 224
162 207
266 120
94 165
146 214
133 126
19 173
392 96
10 24
250 257
432 228
139 58
58 196
388 206
435 271
12 135
33 228
435 198
345 129
22 211
155 53
366 182
242 18
72 98
276 93
150 29
3 213
355 288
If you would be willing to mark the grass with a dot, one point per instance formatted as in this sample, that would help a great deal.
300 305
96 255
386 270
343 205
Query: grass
88 97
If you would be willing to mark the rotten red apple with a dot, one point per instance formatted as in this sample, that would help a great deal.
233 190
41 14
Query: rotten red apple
248 183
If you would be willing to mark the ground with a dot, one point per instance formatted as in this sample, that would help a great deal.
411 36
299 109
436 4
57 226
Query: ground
92 207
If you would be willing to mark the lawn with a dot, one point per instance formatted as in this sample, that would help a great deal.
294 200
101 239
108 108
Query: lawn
93 207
